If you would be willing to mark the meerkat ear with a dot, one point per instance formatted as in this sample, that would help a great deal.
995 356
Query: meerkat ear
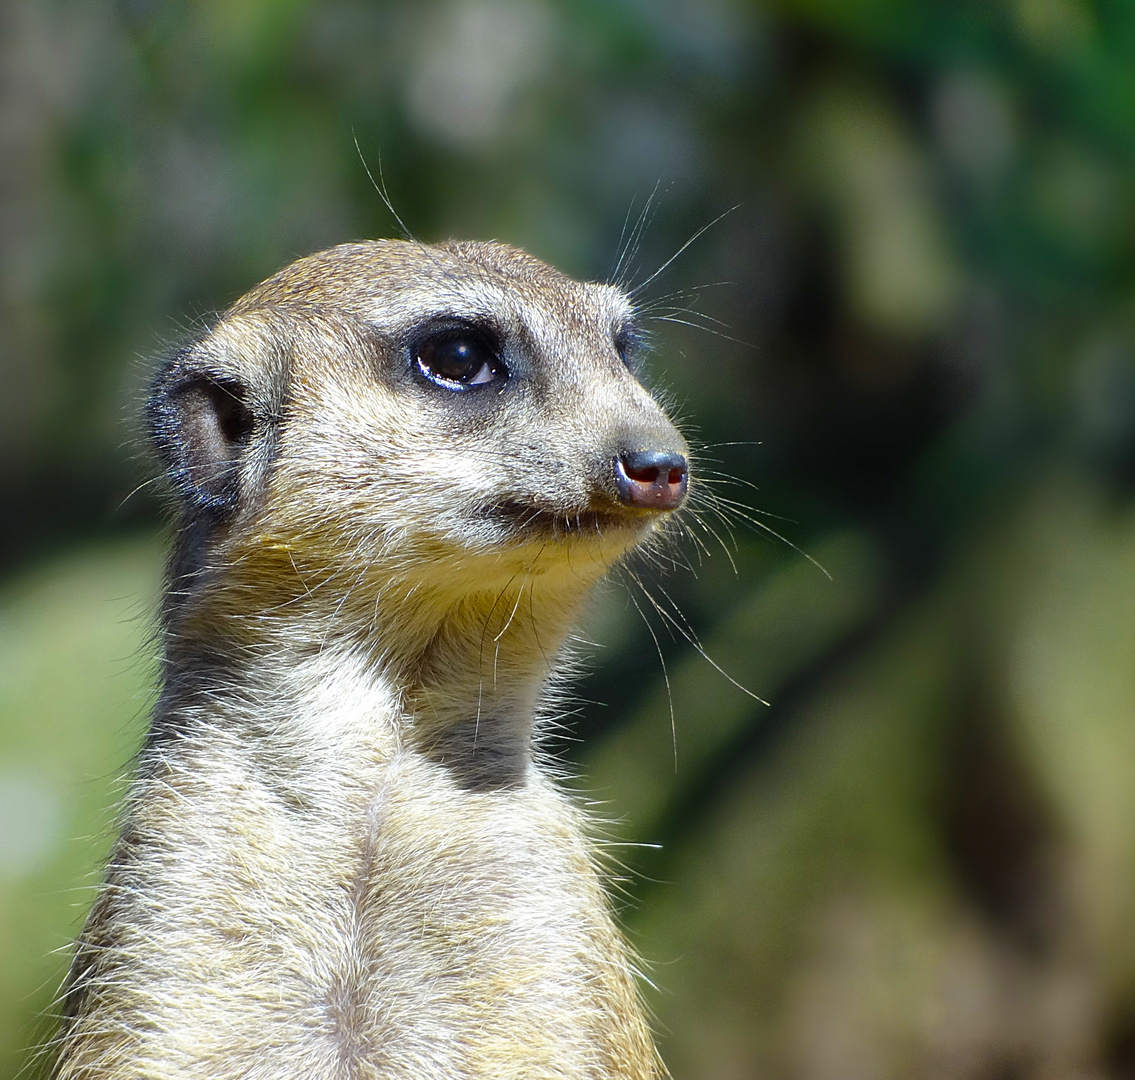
201 423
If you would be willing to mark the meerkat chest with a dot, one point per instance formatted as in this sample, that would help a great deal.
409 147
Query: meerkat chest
398 922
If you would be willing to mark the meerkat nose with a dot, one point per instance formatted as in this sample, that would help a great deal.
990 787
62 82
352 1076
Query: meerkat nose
651 479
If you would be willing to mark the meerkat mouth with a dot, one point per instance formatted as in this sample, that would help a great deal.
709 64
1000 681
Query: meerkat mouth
535 522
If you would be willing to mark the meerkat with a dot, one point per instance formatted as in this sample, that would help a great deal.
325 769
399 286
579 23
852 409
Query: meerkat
399 470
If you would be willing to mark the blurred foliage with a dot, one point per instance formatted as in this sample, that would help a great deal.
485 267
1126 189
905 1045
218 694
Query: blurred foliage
919 859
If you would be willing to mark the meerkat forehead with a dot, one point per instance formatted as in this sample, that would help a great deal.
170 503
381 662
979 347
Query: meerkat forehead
393 285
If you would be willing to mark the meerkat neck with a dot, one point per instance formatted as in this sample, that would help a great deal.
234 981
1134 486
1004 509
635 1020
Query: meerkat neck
465 676
474 692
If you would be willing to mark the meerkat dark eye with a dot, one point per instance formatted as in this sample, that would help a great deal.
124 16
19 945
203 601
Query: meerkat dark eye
627 341
621 346
459 360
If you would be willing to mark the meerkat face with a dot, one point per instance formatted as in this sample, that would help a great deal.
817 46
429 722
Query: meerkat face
460 407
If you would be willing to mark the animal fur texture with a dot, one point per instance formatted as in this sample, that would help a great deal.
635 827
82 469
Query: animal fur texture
342 855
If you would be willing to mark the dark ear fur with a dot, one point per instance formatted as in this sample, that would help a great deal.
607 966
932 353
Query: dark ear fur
201 424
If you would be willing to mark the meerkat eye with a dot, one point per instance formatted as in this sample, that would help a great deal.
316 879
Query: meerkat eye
626 340
459 360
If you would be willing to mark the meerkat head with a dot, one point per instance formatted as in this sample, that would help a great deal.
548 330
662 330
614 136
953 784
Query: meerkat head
442 415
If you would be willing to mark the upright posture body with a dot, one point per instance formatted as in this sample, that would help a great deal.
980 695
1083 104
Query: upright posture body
399 471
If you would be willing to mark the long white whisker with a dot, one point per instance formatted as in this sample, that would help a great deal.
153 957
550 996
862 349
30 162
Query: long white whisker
665 673
692 639
669 262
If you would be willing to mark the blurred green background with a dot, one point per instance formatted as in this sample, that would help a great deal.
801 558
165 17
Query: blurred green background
915 335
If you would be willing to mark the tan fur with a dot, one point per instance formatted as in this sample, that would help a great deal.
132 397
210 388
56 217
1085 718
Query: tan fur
341 857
